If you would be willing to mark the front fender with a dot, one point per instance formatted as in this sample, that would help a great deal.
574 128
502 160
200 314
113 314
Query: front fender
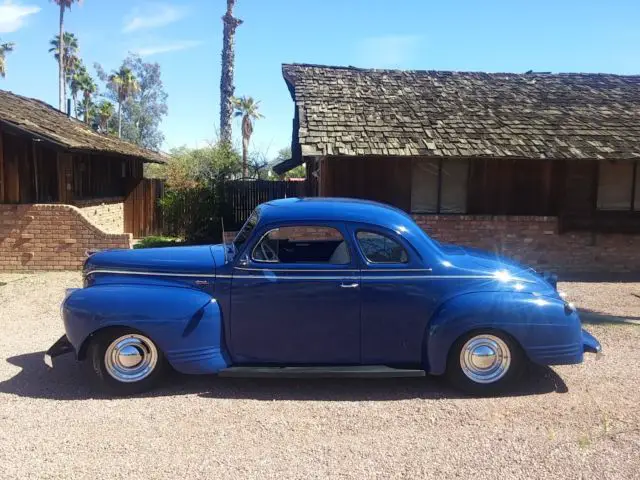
548 331
186 324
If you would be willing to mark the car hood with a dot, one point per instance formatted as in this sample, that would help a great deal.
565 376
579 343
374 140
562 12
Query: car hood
187 260
506 271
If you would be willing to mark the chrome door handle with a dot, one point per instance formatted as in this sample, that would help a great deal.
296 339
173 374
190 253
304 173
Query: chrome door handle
349 285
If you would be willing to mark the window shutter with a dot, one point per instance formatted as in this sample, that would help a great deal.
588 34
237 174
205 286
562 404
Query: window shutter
424 186
636 205
614 185
453 198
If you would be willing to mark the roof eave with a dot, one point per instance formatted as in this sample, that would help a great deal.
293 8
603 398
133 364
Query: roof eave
64 146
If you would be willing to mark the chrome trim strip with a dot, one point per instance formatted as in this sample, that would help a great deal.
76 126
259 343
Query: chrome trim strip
363 277
391 269
321 270
295 269
152 274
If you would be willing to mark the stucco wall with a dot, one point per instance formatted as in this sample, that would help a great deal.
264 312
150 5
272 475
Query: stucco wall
535 241
50 237
105 213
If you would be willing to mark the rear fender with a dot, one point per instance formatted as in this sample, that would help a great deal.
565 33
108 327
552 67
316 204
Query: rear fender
536 323
186 324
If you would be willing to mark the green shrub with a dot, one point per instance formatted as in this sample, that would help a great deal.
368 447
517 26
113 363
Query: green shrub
154 241
193 202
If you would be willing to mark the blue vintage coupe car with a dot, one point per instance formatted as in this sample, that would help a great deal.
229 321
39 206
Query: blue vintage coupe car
327 287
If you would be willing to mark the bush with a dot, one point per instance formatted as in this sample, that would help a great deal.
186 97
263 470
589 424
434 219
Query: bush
154 241
193 202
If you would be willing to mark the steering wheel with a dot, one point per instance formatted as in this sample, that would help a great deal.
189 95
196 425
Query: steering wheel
268 253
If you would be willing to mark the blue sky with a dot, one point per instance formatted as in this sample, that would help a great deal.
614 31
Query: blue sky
185 38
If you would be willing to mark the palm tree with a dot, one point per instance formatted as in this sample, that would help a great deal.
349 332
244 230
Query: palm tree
63 5
70 54
247 108
104 112
4 49
88 88
226 78
125 84
75 83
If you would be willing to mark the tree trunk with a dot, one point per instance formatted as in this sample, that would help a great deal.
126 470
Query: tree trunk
86 110
226 78
61 79
245 156
119 120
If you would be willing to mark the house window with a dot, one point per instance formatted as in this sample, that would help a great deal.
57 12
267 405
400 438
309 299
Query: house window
453 196
424 186
439 186
636 201
618 183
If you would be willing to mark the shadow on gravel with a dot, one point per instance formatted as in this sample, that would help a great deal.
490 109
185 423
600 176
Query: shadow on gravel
594 317
70 380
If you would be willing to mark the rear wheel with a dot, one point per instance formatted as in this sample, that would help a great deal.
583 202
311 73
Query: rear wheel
484 362
126 361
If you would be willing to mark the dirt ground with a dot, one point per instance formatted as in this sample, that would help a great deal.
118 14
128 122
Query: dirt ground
565 422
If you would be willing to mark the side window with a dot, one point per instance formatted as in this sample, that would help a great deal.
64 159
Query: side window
302 244
379 248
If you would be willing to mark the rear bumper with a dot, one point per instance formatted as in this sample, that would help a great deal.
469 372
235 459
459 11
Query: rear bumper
61 347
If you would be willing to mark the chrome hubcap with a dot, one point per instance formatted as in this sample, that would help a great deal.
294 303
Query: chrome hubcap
485 358
131 358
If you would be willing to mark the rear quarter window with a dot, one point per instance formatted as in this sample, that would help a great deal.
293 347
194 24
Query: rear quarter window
378 248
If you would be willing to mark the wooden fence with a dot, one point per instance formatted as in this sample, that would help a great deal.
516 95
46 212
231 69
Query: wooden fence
142 213
243 196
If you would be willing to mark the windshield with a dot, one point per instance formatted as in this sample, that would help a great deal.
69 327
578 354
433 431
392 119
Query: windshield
245 232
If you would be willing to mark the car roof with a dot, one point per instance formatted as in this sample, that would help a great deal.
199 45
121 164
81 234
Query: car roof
333 210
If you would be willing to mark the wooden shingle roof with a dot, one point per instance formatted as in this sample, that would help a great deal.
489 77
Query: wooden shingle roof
41 120
351 111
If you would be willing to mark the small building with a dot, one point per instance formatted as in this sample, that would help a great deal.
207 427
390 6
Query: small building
544 167
64 188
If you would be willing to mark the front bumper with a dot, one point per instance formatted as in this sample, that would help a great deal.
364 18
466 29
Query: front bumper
590 344
61 347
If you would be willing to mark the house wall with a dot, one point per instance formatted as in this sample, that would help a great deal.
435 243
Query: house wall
535 241
50 237
105 213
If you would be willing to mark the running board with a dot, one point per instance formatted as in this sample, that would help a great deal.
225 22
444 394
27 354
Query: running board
369 371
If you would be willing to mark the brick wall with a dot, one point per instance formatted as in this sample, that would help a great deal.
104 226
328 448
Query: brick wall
105 213
535 241
50 237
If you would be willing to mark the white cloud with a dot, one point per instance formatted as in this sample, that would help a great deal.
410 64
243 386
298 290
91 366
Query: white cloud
153 16
167 47
388 51
14 15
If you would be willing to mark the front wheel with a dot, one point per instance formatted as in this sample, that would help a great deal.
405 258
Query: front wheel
484 362
126 361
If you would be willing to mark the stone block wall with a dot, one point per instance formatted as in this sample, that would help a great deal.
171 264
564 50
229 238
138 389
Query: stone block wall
40 237
105 213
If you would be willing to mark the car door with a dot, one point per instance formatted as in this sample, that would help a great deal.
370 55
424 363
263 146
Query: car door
295 298
397 298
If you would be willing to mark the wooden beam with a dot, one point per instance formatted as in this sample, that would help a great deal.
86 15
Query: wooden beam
1 167
34 152
65 178
11 173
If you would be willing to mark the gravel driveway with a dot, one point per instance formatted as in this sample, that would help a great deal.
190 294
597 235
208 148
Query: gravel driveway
577 422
